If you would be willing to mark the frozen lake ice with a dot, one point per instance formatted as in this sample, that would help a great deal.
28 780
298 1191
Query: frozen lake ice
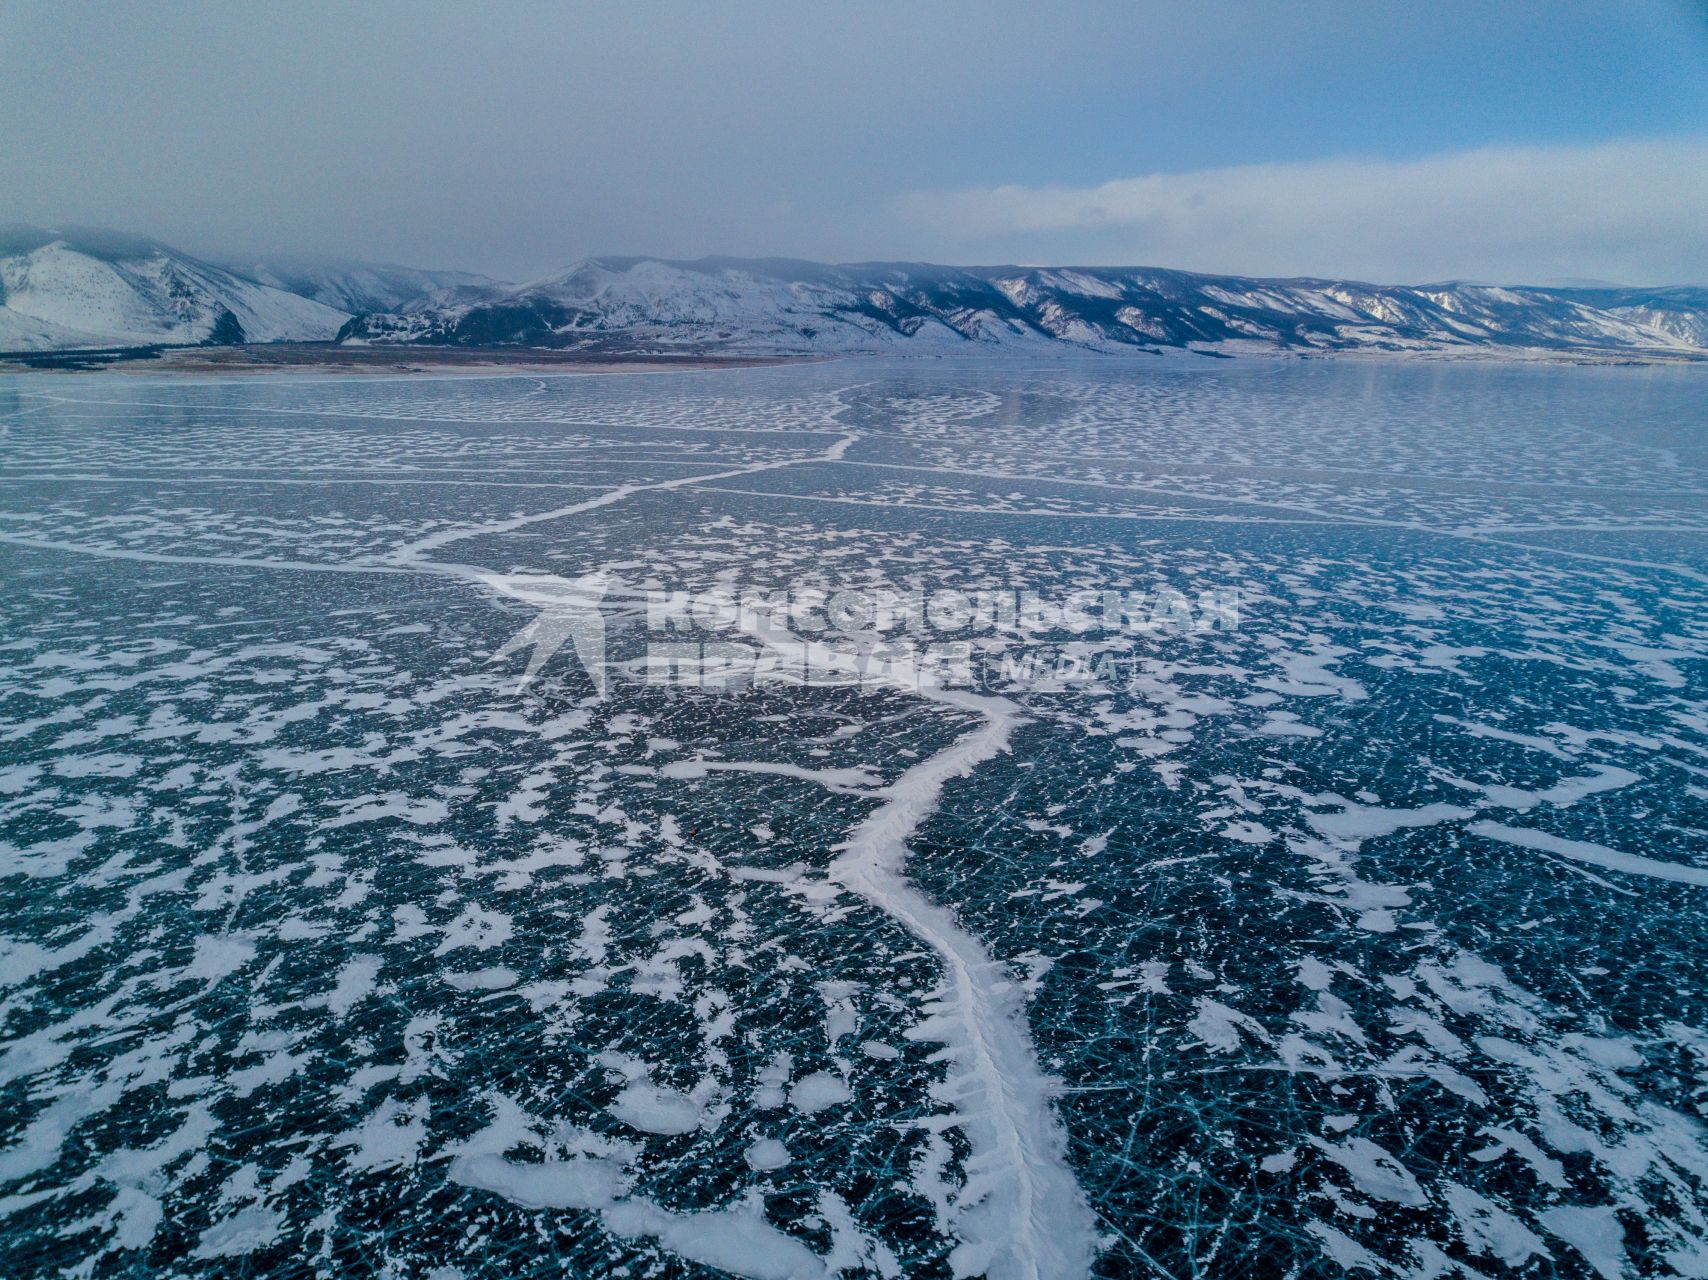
378 902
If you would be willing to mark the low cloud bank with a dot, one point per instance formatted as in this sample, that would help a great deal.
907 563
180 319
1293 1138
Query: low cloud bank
1631 211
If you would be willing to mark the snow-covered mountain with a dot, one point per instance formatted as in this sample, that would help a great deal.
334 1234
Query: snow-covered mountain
81 287
786 306
84 287
1681 311
358 287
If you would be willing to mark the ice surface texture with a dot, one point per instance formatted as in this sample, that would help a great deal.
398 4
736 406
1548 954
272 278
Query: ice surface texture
1366 937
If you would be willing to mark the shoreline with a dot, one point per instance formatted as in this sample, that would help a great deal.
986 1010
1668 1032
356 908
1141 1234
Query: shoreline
331 359
324 358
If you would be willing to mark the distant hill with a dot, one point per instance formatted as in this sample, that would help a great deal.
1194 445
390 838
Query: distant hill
358 287
80 287
85 287
775 306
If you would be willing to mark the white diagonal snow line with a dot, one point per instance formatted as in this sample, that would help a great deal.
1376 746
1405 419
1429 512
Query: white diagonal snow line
414 551
1025 1216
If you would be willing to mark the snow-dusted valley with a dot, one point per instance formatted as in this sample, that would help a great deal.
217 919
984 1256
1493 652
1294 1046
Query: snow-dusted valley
412 870
89 289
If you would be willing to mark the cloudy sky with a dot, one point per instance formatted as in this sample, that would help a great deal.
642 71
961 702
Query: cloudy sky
1500 139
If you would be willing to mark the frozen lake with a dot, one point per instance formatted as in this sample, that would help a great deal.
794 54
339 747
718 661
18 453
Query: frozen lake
879 818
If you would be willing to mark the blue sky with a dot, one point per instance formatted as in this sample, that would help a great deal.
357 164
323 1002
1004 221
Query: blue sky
1516 141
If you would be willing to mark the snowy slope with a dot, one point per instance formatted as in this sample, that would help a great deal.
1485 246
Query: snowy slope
782 306
82 287
357 287
1679 310
786 306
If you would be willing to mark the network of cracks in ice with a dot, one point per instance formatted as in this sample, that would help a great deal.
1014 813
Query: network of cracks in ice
1368 936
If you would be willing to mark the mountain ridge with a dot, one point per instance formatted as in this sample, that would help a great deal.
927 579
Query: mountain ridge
85 287
77 287
783 306
74 287
356 287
